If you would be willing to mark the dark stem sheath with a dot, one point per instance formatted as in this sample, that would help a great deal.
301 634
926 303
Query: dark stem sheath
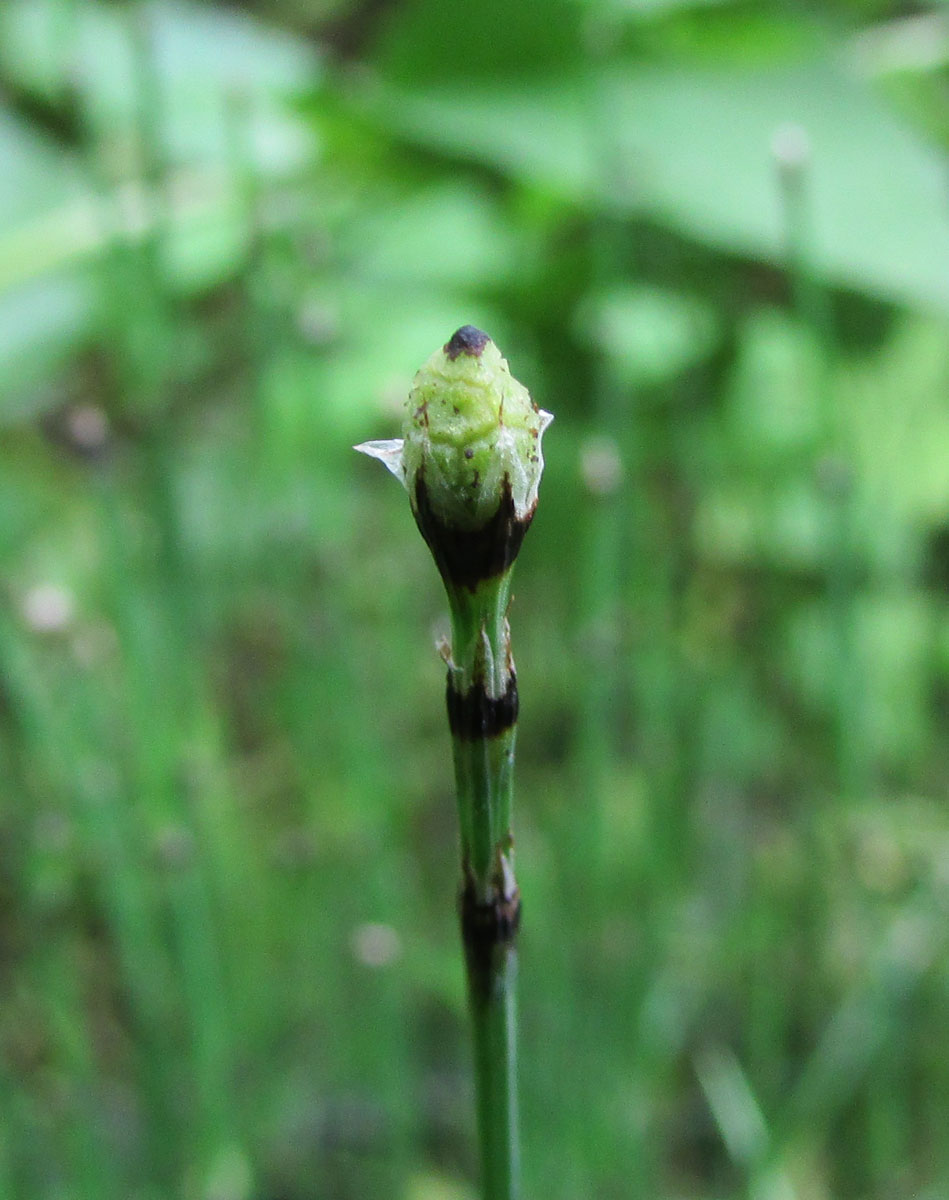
474 715
467 558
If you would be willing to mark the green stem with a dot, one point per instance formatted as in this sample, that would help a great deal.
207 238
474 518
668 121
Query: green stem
492 978
483 770
482 709
481 640
480 676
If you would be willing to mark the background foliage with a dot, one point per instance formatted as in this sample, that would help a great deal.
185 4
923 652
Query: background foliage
713 238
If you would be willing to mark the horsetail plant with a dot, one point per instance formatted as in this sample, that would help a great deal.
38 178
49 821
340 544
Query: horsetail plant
470 458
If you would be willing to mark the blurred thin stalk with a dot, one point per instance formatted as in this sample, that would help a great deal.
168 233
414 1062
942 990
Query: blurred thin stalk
155 616
285 473
188 881
92 1170
391 1063
888 1118
937 1093
370 994
602 476
866 1024
792 157
636 537
262 331
741 1124
56 978
792 154
767 922
57 735
612 488
9 1127
601 472
263 336
65 31
161 711
19 1132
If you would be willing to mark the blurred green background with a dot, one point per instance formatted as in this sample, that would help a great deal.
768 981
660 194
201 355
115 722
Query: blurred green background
712 236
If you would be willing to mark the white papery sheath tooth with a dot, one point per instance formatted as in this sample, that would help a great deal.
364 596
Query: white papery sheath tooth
387 452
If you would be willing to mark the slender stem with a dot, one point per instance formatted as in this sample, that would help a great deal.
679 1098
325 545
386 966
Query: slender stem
482 711
483 770
481 640
492 978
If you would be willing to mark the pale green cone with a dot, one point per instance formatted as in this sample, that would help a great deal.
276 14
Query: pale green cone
470 432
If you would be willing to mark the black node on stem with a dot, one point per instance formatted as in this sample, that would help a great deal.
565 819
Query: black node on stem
475 716
489 932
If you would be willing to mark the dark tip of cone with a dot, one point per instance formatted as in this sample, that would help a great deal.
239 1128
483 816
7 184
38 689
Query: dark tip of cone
466 340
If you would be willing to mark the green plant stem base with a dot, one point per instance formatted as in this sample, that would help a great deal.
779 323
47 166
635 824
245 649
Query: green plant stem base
492 982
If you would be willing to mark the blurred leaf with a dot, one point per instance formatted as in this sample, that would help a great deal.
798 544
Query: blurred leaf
692 149
205 88
651 334
40 323
655 8
740 735
36 173
204 84
208 60
774 400
432 42
207 237
534 130
452 234
697 148
895 644
203 59
897 415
